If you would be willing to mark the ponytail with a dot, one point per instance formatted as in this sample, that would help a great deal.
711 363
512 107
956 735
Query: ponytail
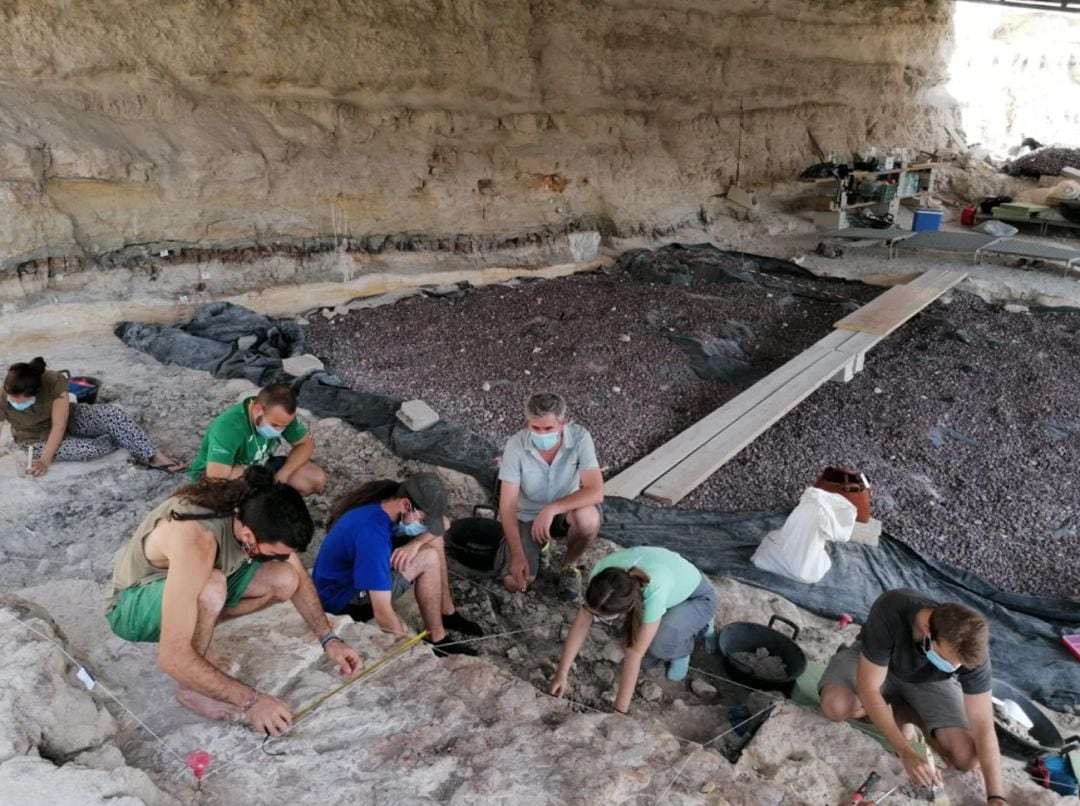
275 512
369 493
24 379
618 591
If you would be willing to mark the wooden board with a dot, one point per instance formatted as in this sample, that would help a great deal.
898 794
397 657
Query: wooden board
886 313
641 474
682 479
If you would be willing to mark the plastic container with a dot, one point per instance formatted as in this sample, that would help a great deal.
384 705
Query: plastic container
926 220
967 215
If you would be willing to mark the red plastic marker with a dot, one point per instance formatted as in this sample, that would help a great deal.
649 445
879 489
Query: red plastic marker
845 620
199 762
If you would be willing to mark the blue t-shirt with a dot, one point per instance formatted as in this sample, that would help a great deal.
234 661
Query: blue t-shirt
355 556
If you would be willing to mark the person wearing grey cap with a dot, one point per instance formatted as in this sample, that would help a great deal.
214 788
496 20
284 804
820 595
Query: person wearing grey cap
383 538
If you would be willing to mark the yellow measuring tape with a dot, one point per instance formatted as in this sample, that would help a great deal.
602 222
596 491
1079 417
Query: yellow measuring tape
416 639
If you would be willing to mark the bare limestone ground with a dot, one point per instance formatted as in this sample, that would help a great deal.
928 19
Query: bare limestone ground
459 730
964 419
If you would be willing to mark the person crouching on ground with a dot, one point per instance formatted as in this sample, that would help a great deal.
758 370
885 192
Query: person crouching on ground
218 550
34 401
550 486
934 657
246 434
383 538
667 604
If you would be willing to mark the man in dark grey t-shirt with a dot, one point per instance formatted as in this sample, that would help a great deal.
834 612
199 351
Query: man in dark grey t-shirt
935 658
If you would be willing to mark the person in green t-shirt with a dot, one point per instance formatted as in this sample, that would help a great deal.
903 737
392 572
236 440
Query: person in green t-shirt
246 435
668 603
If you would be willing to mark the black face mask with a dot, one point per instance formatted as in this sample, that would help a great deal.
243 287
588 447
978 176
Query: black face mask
270 558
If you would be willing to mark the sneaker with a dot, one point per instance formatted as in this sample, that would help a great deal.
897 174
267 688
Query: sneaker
447 647
459 624
677 669
569 588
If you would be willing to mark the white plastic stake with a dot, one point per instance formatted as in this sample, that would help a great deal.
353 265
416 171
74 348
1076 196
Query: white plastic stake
86 678
29 459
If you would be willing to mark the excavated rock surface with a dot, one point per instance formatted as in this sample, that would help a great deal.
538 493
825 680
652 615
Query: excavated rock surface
248 122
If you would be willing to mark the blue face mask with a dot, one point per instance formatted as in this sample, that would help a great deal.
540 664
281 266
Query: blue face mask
936 659
267 431
545 442
410 529
22 406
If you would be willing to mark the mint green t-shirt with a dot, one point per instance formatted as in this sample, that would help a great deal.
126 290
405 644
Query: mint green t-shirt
232 440
672 578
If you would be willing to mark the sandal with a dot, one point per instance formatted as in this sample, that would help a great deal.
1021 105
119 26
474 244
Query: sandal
171 469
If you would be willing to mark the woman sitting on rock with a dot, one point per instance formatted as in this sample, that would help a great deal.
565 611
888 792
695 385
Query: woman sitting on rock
667 603
34 401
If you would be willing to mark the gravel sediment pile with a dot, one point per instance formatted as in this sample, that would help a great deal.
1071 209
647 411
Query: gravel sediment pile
964 420
762 664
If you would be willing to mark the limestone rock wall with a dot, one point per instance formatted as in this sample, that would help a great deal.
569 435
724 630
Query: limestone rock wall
254 121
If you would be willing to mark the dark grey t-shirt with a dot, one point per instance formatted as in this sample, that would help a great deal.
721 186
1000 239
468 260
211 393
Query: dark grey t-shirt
888 639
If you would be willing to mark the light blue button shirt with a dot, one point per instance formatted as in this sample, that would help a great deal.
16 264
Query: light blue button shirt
540 482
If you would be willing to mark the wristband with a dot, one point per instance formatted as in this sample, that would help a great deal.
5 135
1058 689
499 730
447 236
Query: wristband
250 701
326 639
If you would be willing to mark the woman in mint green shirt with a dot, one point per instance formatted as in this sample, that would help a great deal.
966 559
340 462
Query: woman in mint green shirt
667 603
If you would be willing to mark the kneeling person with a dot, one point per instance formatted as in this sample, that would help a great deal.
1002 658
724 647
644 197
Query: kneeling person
667 603
218 550
383 538
246 434
935 658
551 486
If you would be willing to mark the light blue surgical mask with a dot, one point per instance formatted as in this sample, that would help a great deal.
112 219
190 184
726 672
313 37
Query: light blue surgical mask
936 659
545 442
267 431
410 529
22 406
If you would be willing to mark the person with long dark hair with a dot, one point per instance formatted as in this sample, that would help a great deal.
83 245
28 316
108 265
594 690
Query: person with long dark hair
382 539
666 604
218 550
34 401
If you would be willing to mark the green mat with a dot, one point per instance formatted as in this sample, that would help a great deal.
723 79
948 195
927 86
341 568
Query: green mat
806 693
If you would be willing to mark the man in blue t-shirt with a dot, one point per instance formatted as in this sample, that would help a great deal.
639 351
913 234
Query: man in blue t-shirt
384 538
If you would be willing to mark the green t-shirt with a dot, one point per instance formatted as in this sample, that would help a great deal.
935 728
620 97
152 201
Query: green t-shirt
232 440
672 578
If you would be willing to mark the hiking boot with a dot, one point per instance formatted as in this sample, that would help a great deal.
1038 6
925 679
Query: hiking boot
447 647
459 624
677 669
569 587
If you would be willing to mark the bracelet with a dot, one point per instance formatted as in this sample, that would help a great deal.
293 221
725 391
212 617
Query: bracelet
250 701
326 639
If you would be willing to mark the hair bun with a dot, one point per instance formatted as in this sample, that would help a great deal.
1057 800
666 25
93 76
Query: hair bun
37 365
258 478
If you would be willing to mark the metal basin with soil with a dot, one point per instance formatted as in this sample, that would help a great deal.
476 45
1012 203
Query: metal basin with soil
745 636
1044 737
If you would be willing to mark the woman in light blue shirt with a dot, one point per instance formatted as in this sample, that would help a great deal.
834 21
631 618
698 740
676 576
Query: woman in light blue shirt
667 603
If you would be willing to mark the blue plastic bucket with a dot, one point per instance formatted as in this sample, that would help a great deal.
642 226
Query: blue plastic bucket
926 220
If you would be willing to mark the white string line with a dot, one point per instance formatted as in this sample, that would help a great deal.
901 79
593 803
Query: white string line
690 755
102 686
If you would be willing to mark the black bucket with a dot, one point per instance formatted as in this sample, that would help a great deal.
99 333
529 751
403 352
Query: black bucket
1044 737
745 636
474 542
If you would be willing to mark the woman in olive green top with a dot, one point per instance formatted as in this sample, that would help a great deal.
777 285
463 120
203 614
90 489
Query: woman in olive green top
34 401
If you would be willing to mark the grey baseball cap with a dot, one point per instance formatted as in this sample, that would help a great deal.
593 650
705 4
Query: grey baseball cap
427 493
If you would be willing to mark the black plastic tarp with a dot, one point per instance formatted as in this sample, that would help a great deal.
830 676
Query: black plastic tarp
1025 631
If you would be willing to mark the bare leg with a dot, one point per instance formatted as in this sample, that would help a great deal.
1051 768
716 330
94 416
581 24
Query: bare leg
447 598
584 527
211 601
162 459
308 479
274 582
425 571
839 703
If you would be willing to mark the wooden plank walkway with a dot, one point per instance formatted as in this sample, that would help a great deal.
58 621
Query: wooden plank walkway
682 463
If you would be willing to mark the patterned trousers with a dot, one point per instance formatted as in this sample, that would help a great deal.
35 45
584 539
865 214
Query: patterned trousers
97 430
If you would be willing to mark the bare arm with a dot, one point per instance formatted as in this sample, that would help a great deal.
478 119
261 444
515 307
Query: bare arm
868 684
980 714
385 616
300 453
591 492
58 418
307 604
574 640
631 665
217 470
191 553
508 500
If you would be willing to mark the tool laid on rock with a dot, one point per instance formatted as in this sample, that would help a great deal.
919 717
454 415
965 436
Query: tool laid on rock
734 752
859 798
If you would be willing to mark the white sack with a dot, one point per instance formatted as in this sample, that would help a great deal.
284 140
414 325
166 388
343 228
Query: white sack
797 550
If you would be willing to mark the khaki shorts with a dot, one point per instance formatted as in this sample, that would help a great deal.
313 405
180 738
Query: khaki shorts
939 703
559 529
